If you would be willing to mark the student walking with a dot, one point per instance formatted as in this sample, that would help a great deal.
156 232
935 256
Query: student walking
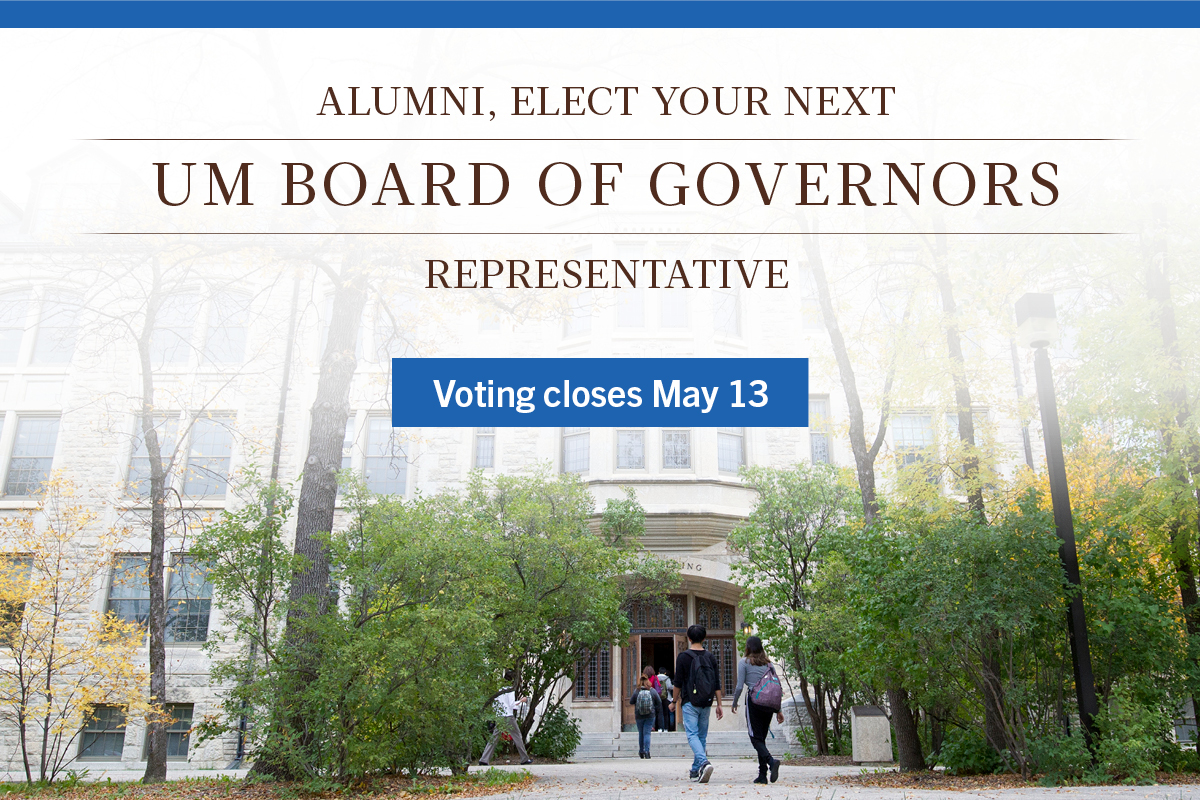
506 706
698 687
647 707
660 719
668 698
764 695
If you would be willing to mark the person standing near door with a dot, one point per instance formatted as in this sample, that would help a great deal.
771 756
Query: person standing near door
757 675
698 687
647 708
506 708
668 698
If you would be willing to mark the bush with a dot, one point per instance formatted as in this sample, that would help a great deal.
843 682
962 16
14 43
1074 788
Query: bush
556 737
1172 757
1060 758
968 753
1130 739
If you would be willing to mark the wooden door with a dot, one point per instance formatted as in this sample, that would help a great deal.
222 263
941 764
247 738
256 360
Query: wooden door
631 667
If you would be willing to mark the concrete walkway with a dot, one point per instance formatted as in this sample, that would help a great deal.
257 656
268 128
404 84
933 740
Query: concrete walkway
658 779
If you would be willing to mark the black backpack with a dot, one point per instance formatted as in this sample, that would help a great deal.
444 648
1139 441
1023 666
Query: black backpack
702 679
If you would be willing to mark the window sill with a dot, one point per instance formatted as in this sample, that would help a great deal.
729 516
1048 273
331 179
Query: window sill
17 503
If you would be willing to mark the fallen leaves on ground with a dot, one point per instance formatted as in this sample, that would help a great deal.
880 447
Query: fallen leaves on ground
817 761
892 779
480 784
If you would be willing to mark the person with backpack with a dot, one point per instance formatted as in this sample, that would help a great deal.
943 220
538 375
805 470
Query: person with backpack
764 697
652 676
647 707
698 687
668 701
506 708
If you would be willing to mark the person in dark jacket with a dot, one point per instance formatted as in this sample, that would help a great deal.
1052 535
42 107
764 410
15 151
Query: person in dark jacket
758 719
645 721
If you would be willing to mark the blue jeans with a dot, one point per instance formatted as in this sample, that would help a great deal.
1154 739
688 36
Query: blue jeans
695 725
644 726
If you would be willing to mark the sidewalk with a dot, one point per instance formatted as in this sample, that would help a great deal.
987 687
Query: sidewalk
658 779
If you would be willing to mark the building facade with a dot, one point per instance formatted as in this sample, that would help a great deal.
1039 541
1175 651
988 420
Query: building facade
228 386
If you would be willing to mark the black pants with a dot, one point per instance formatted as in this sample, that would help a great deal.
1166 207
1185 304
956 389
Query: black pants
760 725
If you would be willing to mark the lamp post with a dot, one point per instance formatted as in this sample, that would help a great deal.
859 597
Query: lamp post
1037 327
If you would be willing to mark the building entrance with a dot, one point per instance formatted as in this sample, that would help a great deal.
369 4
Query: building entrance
660 635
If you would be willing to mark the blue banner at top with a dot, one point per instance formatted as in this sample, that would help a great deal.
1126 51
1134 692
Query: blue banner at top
599 14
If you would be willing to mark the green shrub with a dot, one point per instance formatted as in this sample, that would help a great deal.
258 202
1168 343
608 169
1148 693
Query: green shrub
807 738
556 737
1174 758
1060 758
1130 739
967 753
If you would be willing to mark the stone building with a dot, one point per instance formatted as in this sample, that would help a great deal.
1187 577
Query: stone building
69 389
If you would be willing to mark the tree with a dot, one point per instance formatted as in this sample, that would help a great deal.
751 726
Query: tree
153 305
904 718
784 544
553 587
63 659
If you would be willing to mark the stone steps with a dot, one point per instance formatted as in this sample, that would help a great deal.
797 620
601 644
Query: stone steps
721 745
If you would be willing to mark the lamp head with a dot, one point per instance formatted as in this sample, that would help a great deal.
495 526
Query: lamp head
1037 324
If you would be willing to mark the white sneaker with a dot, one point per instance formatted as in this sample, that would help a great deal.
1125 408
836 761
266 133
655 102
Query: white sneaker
706 772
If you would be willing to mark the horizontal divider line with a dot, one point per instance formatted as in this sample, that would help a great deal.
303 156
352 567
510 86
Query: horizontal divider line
624 139
609 233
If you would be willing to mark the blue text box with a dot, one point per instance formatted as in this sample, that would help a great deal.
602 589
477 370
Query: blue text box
600 392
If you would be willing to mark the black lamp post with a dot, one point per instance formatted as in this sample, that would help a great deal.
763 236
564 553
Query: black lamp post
1037 327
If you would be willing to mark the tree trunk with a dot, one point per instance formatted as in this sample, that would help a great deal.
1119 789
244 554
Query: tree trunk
993 689
310 590
908 742
330 410
156 730
908 737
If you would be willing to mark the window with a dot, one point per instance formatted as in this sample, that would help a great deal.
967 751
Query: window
485 448
167 428
209 451
631 449
180 730
674 309
731 449
348 442
979 416
810 312
677 449
57 329
818 429
189 601
391 339
631 308
129 591
13 308
727 317
593 674
576 450
32 455
579 315
912 436
103 736
171 339
225 338
15 573
386 464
